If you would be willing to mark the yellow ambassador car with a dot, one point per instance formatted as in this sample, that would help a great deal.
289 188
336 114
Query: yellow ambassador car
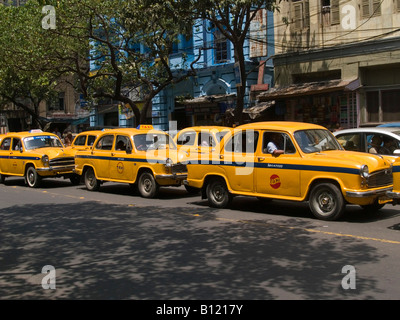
292 161
143 156
200 139
84 140
35 155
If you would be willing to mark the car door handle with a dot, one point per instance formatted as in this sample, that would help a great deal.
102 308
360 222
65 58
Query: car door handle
261 158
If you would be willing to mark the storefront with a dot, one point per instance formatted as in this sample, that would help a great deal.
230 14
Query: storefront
330 103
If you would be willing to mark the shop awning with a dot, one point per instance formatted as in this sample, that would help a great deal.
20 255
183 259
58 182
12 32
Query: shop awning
209 99
309 88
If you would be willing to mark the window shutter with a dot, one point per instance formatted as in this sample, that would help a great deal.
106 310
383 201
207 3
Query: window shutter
298 15
335 13
376 8
365 8
306 14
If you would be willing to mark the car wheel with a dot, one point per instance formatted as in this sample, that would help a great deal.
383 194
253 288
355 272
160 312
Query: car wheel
2 178
147 185
326 202
91 182
32 178
218 194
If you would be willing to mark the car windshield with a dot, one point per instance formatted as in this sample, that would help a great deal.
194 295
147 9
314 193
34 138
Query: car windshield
316 140
42 142
153 141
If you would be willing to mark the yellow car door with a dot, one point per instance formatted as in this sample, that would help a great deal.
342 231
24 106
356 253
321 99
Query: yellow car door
238 160
277 173
121 161
17 159
101 156
5 163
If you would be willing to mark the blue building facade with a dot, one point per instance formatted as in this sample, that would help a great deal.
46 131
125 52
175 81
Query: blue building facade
203 99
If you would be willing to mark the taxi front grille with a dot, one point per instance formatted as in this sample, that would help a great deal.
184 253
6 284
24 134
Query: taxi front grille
380 178
176 168
58 162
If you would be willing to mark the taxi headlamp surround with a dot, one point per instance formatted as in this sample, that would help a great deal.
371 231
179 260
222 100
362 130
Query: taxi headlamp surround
169 162
45 160
364 171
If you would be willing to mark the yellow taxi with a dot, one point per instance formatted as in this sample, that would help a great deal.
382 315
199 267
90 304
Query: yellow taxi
35 155
292 161
84 140
143 156
200 139
395 193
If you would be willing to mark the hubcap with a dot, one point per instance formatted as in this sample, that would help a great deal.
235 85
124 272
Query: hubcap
326 202
218 193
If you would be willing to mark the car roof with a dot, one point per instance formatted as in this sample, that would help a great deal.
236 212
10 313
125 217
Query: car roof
382 130
281 125
24 134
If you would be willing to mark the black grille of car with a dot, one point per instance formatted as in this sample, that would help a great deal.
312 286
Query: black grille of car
176 168
58 162
380 178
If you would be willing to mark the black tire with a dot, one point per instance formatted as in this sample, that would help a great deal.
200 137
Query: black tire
91 182
147 185
218 194
2 178
75 179
326 202
32 178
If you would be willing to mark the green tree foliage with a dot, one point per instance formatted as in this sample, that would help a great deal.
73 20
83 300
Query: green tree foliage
24 78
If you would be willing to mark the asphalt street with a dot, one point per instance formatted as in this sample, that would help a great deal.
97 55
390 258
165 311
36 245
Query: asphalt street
114 245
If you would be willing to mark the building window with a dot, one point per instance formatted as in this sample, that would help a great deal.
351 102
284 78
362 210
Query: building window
330 12
370 8
383 105
300 14
221 53
57 103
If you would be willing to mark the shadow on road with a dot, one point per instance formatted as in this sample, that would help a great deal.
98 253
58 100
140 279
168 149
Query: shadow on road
103 251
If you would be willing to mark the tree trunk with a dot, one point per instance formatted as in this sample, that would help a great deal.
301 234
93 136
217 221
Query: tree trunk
241 89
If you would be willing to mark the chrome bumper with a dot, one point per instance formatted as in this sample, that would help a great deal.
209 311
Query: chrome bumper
57 169
393 194
174 176
367 194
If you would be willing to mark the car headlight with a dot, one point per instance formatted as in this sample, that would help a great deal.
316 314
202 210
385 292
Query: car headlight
169 162
45 160
364 171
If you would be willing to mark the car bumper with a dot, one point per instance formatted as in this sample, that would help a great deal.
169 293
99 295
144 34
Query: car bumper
393 194
56 170
369 193
173 176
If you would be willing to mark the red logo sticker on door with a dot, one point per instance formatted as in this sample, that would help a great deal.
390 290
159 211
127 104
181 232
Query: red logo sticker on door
275 181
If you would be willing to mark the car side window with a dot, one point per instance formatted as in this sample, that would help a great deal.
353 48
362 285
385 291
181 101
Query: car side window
350 141
90 140
5 145
186 138
243 142
105 143
205 140
80 141
16 145
279 140
122 143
